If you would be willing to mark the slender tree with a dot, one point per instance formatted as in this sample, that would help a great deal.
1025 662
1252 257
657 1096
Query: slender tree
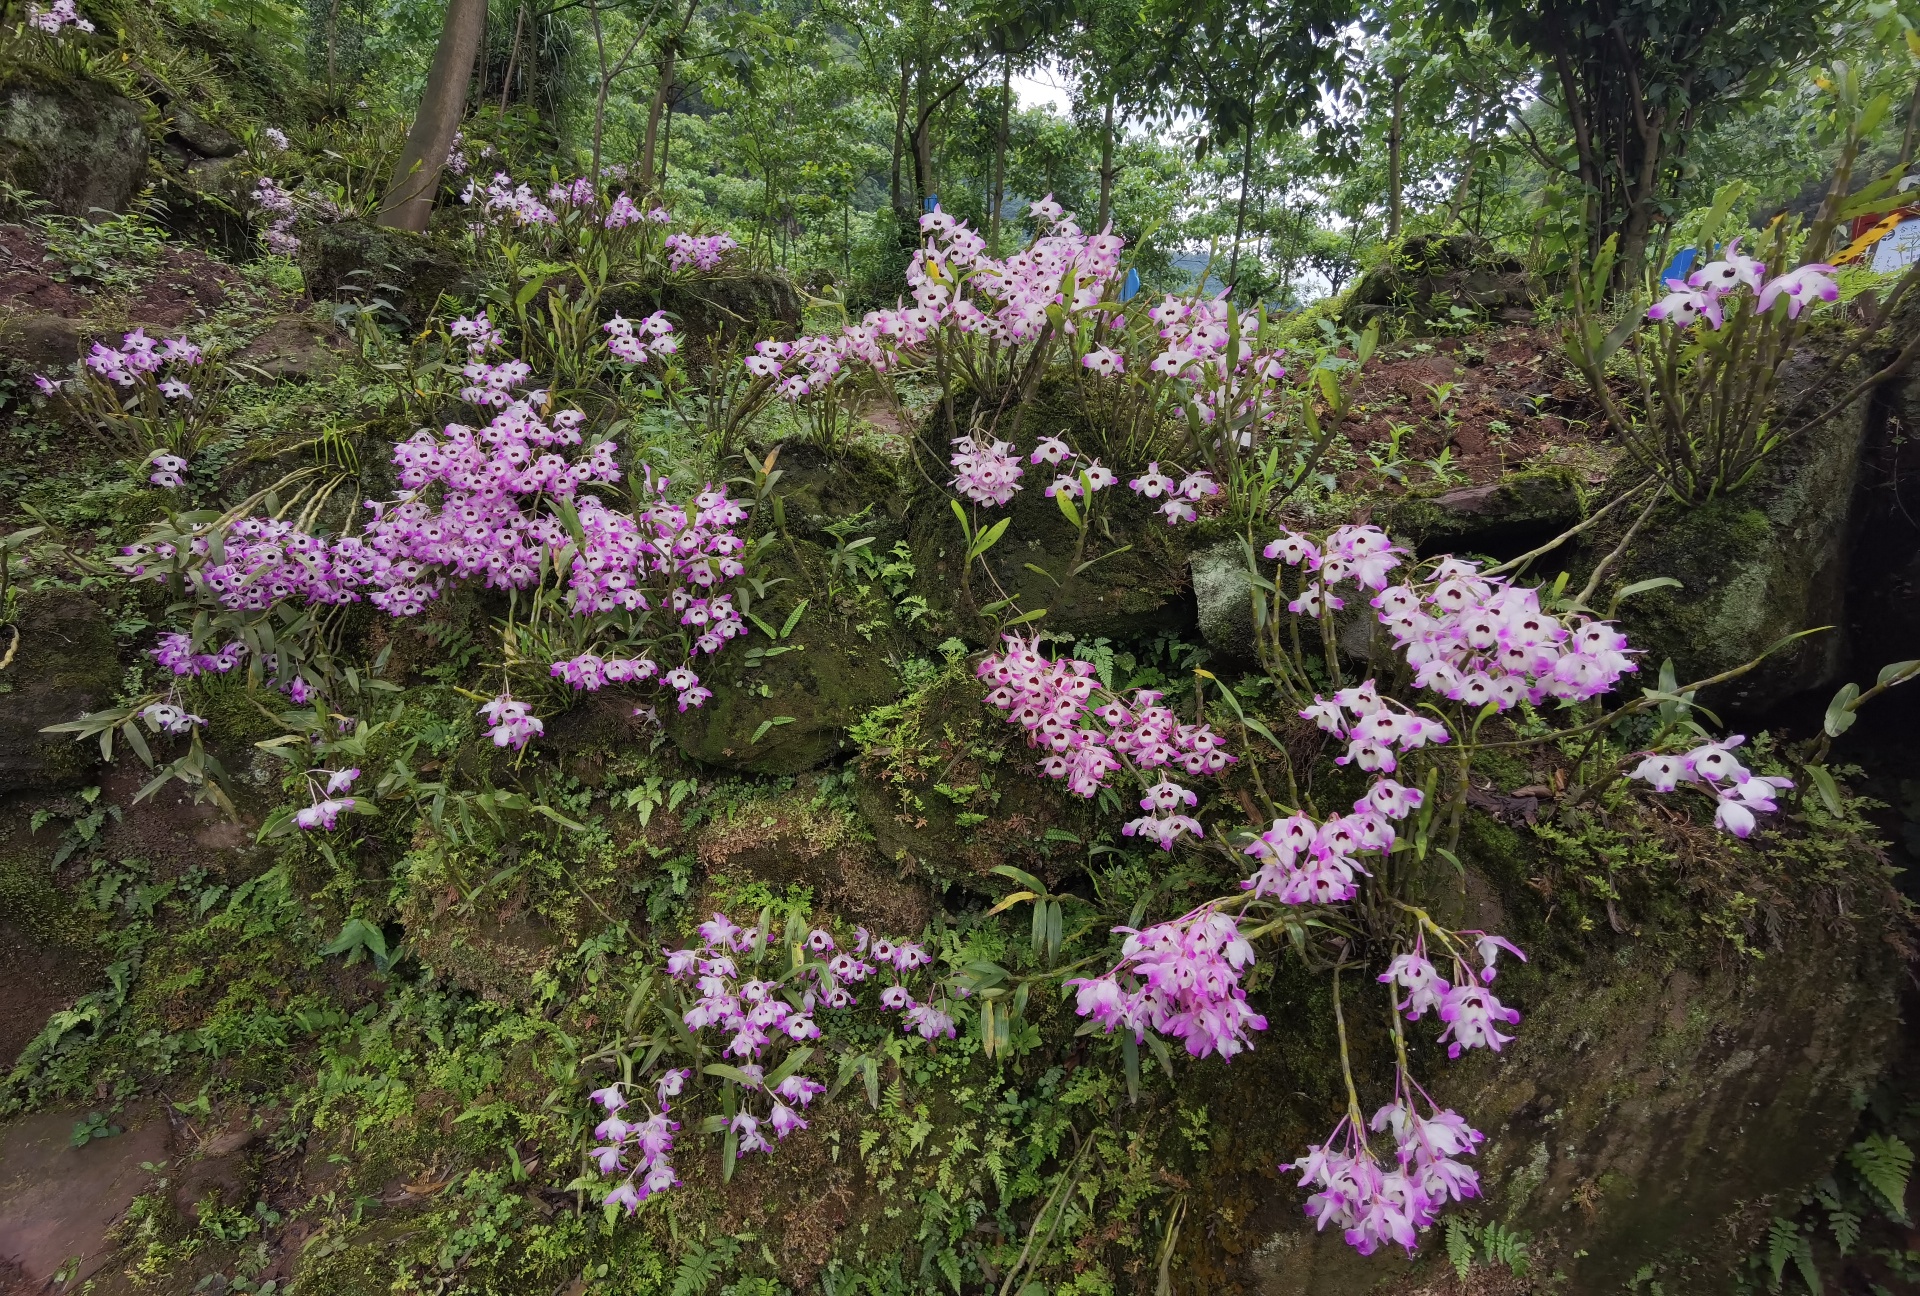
408 202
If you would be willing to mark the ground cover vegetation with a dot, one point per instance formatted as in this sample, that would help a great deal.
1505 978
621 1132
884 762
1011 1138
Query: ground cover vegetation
684 647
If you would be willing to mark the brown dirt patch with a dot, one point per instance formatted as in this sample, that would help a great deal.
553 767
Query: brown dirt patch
1515 399
185 284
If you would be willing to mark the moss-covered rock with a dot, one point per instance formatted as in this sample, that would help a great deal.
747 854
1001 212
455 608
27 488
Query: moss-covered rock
1132 581
713 310
1660 1102
788 708
65 664
355 261
75 141
1520 510
1223 598
1756 565
950 790
1429 276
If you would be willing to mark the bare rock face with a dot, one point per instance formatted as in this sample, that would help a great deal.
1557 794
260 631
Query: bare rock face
64 664
58 1202
77 143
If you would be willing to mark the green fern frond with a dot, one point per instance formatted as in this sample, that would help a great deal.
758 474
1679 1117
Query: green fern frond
1460 1245
1884 1163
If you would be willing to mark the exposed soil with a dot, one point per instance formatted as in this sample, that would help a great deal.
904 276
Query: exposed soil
183 284
1514 402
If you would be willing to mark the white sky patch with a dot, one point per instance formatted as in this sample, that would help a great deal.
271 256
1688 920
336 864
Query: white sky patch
1044 87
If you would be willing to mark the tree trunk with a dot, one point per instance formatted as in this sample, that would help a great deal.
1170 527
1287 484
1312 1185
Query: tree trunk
408 202
513 58
1106 169
1395 138
660 91
922 150
900 145
999 189
1240 216
333 44
666 137
1460 192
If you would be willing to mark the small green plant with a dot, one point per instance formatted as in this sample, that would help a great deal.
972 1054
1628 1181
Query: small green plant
95 1126
1491 1243
1391 458
1442 468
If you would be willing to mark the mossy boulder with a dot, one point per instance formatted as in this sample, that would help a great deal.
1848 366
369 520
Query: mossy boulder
712 310
353 261
1650 1112
819 488
786 707
950 790
75 141
801 837
294 348
1504 518
1429 276
1132 580
1757 564
65 663
1223 598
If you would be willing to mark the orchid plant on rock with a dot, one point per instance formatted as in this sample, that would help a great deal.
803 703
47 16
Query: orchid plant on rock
1450 650
1706 406
1186 379
742 1012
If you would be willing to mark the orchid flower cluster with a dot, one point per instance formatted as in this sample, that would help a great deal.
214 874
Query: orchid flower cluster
1226 383
1089 732
170 718
1471 1014
1472 639
157 396
485 503
1712 767
827 975
167 469
277 139
989 320
1702 295
959 294
1180 978
511 722
988 472
638 341
701 251
1477 640
327 791
757 1017
478 332
175 652
1303 862
58 15
501 195
141 358
278 204
640 1148
1374 1206
625 212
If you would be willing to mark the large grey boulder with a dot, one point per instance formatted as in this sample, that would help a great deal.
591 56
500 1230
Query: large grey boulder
77 143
